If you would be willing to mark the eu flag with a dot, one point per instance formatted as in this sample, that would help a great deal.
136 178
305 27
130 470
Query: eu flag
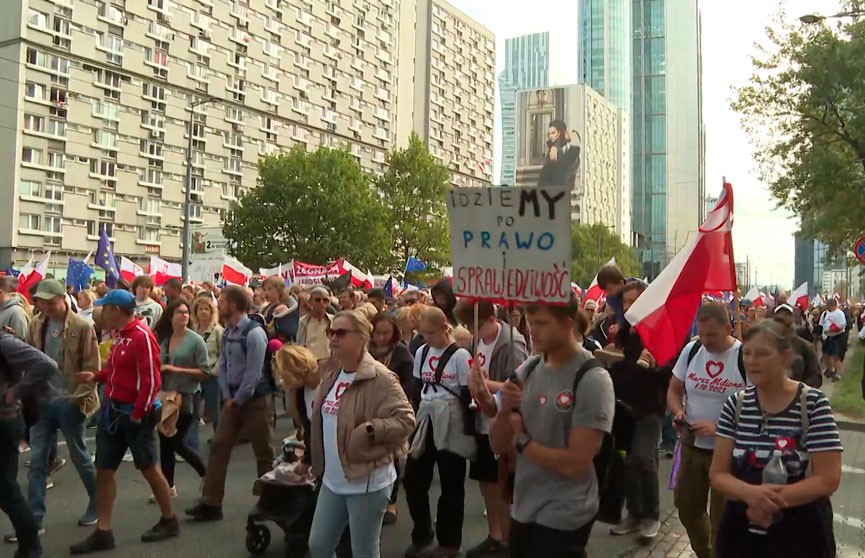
105 259
78 274
414 265
388 287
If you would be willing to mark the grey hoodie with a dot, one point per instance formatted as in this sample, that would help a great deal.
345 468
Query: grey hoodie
27 371
12 315
506 359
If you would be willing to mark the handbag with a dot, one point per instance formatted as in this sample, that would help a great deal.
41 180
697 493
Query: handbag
171 401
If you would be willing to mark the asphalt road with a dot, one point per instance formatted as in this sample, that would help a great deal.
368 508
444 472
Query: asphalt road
133 515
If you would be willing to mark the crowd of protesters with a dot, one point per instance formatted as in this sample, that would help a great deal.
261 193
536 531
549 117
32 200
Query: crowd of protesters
558 412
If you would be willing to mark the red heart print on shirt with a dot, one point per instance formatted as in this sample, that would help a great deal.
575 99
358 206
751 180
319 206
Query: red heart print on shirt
482 359
433 362
340 389
714 368
542 399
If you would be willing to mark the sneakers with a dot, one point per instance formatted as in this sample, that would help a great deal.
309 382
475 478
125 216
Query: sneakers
97 541
649 528
164 530
490 547
13 539
626 527
205 512
127 457
89 519
172 491
49 483
419 550
58 464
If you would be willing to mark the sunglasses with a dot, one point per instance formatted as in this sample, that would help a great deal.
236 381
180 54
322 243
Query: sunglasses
318 299
338 333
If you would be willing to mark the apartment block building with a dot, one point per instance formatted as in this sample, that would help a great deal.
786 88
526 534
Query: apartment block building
95 111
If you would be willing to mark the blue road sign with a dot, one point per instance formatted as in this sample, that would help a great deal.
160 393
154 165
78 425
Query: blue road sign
859 249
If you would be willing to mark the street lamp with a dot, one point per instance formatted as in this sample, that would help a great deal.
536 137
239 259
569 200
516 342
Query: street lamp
188 194
810 19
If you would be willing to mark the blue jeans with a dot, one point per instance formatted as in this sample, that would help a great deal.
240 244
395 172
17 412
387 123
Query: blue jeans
212 397
11 500
363 513
641 467
63 416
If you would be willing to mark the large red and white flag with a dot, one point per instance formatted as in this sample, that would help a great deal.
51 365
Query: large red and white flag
129 270
594 292
162 270
358 278
664 313
37 274
756 297
234 272
800 296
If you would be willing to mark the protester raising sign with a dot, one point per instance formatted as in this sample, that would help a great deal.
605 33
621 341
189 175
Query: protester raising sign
511 244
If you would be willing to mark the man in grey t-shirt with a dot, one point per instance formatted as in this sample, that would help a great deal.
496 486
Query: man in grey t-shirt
556 435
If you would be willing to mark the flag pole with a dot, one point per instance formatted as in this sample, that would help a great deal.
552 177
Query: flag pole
737 319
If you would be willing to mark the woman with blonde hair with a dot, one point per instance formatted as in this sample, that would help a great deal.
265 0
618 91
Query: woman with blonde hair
361 423
280 310
408 318
204 321
297 368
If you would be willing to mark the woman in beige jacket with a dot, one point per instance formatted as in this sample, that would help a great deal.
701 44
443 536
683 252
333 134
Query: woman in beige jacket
361 421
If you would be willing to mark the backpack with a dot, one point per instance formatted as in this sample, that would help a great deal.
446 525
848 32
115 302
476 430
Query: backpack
267 370
605 455
741 360
464 397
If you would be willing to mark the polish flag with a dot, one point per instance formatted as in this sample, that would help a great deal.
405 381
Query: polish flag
358 277
756 297
369 283
663 314
578 290
800 296
594 292
234 272
38 274
162 270
129 270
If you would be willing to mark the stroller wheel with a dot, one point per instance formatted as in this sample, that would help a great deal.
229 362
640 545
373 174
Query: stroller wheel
257 539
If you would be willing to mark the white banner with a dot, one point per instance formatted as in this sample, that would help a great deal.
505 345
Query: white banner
511 244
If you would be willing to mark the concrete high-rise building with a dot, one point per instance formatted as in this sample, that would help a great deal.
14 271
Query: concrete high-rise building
93 131
593 159
527 66
668 134
604 60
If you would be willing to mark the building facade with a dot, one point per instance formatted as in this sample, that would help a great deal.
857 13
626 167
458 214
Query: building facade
527 66
96 119
604 61
668 132
593 153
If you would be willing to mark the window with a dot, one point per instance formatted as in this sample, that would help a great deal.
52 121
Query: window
234 115
47 61
32 156
151 176
56 160
52 224
54 192
93 228
34 90
34 123
113 45
105 139
110 13
106 110
107 169
195 211
158 31
230 190
30 188
156 57
269 96
153 119
150 205
148 234
234 165
108 79
37 19
56 128
62 27
158 5
151 149
234 139
31 222
154 91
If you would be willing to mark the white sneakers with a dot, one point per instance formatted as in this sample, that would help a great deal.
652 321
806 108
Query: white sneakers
647 528
172 490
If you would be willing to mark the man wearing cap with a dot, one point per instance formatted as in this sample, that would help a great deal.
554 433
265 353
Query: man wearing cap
805 366
127 421
70 342
312 329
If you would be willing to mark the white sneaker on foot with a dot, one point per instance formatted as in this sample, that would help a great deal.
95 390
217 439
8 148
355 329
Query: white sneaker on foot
626 527
172 491
649 528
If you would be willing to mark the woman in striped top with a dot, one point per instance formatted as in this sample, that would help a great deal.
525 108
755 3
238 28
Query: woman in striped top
762 520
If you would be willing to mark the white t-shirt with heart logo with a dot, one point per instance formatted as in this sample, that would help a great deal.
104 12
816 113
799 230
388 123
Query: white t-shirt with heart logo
709 380
334 475
484 356
456 373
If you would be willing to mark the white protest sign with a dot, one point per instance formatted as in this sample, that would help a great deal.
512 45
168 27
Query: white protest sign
511 244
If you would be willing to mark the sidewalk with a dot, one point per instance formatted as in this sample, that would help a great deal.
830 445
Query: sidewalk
847 503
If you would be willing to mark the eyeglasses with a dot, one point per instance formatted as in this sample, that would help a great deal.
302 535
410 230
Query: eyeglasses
338 333
319 299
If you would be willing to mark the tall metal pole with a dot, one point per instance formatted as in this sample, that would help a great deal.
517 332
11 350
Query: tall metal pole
188 183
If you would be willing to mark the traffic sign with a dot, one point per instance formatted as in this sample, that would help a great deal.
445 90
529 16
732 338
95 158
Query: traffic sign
859 249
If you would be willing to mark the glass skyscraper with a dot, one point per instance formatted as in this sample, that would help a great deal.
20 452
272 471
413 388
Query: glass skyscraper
527 66
605 49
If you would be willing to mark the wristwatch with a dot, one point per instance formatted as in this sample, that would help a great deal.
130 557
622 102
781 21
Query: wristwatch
522 441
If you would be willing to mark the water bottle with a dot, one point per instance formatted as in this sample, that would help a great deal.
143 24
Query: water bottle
775 472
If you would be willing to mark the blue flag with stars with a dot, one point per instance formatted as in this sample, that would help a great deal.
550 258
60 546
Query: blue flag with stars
388 287
78 274
414 265
105 259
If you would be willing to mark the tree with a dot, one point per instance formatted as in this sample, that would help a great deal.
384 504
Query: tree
592 246
805 111
413 189
314 206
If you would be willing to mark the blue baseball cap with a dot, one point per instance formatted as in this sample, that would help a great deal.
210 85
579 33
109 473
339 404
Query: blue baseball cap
117 297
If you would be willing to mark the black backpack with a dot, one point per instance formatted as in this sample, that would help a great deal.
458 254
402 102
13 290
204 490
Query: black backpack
464 397
741 360
267 369
605 455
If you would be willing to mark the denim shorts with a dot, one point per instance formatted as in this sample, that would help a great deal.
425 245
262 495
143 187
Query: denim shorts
116 433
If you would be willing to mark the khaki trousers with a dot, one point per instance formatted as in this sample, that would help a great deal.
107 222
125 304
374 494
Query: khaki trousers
692 497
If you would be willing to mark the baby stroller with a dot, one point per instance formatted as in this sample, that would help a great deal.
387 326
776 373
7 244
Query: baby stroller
290 507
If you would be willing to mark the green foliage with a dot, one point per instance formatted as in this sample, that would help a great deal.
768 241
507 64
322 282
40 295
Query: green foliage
804 109
313 206
847 397
413 189
592 246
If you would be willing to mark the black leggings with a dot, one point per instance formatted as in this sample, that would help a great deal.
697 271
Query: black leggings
176 444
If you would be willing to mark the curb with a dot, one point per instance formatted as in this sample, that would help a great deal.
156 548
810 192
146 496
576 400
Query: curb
850 426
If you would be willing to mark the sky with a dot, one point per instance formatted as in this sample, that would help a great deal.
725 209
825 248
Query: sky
731 28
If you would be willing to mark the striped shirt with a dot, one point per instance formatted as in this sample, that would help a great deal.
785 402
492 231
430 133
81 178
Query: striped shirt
758 434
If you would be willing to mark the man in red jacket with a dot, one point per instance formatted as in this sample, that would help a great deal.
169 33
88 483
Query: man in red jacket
128 420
